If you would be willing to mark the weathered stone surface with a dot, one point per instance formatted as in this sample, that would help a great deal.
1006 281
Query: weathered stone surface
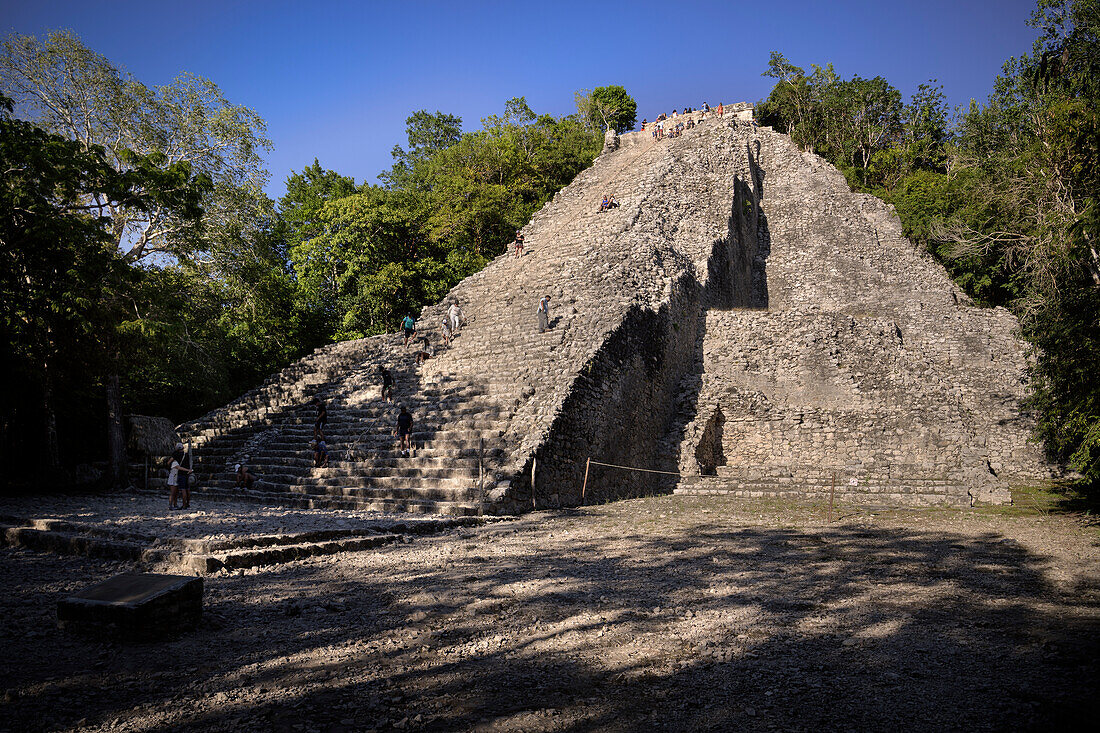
857 365
610 141
134 606
738 276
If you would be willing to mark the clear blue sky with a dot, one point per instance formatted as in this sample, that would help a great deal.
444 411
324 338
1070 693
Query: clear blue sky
335 80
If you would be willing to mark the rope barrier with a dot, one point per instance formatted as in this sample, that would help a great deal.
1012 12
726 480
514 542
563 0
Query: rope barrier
589 462
631 468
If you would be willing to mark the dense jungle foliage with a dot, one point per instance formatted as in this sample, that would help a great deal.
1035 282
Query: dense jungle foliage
1003 193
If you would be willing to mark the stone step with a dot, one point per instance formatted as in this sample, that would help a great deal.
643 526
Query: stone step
883 498
329 502
427 491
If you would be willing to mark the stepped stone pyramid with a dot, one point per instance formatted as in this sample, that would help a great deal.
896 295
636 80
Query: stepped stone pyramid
742 319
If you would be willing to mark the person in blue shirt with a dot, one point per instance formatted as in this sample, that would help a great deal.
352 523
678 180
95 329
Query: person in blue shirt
409 325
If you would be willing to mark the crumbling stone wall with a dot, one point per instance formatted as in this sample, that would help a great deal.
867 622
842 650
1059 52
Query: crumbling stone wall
689 237
863 365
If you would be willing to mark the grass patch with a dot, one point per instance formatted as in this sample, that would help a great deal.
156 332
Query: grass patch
1055 497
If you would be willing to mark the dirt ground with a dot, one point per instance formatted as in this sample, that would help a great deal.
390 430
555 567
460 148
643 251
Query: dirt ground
667 613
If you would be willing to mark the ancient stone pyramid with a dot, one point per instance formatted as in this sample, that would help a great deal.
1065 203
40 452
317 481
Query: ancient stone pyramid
742 319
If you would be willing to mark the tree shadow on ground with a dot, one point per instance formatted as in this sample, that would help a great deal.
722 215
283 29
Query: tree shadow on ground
710 628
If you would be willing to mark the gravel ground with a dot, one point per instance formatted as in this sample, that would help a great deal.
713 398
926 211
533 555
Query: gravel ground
668 613
147 514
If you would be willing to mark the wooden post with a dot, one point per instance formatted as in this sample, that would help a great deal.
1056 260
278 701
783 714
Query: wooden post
832 489
480 476
584 486
534 462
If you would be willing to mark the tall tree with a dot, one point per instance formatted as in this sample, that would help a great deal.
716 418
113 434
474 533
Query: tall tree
68 89
428 133
62 277
607 108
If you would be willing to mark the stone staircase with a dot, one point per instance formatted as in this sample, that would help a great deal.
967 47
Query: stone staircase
484 407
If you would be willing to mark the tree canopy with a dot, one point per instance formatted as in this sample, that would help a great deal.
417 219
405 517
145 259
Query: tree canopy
607 108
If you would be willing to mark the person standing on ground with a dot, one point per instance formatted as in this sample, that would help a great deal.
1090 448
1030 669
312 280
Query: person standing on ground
519 245
455 312
719 109
404 431
409 327
176 471
387 384
544 314
322 419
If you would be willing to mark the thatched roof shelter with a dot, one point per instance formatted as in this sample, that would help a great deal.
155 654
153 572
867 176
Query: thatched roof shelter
153 436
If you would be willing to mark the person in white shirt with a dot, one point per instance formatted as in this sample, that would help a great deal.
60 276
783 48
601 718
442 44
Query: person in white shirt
176 473
455 312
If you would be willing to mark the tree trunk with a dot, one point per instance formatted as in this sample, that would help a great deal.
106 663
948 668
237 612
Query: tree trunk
53 451
116 446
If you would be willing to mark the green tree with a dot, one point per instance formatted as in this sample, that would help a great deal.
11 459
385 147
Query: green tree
1035 153
607 108
185 133
449 205
428 133
63 282
926 127
66 88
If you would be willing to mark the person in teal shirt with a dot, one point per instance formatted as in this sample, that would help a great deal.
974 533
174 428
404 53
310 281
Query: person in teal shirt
409 324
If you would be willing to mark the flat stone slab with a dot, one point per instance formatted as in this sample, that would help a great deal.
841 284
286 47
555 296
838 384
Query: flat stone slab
141 606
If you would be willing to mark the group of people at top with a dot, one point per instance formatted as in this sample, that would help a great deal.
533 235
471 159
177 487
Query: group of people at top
669 126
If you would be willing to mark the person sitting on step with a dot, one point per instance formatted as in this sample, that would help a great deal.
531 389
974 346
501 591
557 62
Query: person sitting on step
424 350
244 478
604 203
320 454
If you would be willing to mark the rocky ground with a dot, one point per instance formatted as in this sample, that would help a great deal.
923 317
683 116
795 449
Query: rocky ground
669 613
142 513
